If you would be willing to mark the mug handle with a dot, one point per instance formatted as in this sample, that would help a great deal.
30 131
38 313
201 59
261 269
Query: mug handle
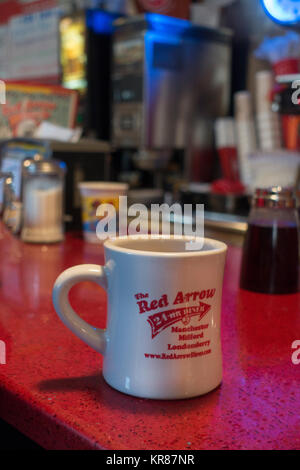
94 337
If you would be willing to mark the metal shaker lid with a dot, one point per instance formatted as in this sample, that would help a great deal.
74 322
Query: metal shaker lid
48 167
274 197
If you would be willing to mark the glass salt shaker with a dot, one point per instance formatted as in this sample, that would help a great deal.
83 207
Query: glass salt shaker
5 184
11 207
43 201
271 248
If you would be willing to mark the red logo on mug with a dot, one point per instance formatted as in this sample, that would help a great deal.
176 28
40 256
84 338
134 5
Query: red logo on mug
162 319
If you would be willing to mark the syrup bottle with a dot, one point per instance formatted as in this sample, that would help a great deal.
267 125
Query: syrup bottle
270 262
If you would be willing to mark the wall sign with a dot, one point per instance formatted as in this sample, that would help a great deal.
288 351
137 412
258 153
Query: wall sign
29 38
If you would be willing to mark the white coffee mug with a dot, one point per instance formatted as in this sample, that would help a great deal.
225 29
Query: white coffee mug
164 303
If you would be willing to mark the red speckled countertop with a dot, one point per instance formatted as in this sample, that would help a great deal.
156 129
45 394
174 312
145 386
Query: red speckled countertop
51 388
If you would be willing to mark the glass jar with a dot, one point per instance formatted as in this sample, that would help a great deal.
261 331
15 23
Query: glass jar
11 207
271 248
43 196
5 189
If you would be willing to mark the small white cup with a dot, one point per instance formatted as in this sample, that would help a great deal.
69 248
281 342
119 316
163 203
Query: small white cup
93 194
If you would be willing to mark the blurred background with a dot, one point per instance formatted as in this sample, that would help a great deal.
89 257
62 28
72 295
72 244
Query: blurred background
182 101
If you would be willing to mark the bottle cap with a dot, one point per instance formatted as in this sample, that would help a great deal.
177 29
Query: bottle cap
274 197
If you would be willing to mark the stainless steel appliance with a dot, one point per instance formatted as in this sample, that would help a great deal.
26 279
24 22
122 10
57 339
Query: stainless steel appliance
171 79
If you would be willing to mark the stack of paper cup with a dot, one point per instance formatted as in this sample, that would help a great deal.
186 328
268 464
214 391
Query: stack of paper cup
225 138
245 133
268 122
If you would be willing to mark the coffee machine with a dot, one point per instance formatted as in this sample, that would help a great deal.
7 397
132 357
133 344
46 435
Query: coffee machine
170 80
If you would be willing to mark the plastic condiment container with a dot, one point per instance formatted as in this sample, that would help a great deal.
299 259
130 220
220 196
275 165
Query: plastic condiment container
93 194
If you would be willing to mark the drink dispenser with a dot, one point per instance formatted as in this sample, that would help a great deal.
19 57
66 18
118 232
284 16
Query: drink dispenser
43 194
171 80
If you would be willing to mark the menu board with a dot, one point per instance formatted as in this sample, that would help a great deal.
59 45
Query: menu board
29 105
34 48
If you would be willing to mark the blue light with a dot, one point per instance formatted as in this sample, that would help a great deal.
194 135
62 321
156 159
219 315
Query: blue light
283 11
101 22
167 24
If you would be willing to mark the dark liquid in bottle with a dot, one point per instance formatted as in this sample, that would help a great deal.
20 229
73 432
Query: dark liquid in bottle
270 259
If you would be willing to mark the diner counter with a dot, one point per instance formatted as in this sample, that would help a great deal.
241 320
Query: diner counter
52 390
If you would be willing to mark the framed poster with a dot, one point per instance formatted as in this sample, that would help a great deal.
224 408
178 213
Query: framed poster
27 105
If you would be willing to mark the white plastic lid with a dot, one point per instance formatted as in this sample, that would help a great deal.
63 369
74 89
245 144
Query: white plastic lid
92 187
